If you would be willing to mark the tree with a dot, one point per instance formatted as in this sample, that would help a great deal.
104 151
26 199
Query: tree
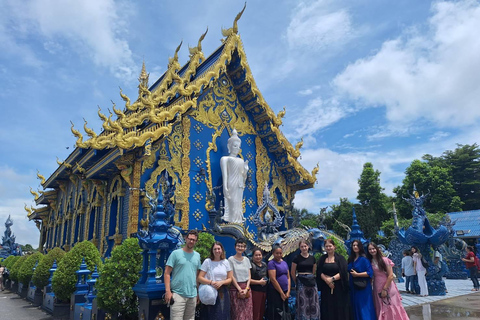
120 273
464 164
204 244
343 213
373 207
427 178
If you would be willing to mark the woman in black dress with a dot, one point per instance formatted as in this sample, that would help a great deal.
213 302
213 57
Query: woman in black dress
332 280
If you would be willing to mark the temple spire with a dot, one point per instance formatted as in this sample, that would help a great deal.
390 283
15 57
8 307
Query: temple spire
143 78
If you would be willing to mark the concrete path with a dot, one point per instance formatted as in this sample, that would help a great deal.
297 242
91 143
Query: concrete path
455 288
12 307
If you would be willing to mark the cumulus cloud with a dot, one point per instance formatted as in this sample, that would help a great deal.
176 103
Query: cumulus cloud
432 75
319 114
318 26
93 28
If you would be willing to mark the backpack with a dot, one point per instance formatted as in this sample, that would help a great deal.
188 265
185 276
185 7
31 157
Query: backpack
477 262
6 273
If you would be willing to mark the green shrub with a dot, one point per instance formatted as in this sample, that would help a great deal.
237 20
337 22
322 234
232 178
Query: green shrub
14 270
42 272
120 273
204 244
9 261
26 271
64 278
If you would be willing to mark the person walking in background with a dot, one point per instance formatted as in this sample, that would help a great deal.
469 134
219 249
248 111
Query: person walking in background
2 269
303 274
386 298
360 294
241 307
332 280
181 279
472 268
258 284
420 271
279 288
408 271
216 271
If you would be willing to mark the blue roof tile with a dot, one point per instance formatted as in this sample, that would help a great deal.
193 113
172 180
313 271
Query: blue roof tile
466 221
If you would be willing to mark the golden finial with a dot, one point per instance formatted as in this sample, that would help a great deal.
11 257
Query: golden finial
234 29
174 60
79 168
39 176
299 144
101 115
89 131
77 134
281 114
143 79
118 112
35 194
29 211
315 170
198 48
59 162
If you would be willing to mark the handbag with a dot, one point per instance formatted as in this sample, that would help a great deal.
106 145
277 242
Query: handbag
207 293
359 283
284 314
307 280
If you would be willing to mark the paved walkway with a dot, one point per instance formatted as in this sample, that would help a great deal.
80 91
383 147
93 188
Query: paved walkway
12 307
455 288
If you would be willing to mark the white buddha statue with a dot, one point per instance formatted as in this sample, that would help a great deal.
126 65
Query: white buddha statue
234 174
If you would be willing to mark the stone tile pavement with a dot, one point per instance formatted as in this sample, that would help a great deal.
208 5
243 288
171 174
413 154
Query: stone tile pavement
455 288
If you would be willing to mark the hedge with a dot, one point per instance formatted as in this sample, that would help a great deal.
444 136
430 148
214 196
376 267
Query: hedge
26 271
65 278
14 270
120 273
42 272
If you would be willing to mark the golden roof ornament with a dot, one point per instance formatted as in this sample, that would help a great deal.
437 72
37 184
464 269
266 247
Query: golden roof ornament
42 178
143 79
198 49
35 194
89 131
234 29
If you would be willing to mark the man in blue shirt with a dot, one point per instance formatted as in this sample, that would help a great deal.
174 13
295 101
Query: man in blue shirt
180 279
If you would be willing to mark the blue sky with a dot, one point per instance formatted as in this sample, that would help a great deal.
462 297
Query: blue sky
378 81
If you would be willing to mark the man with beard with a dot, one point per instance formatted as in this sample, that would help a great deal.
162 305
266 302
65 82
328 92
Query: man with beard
180 278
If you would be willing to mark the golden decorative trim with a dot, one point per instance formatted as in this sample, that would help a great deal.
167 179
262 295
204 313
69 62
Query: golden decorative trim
134 200
185 186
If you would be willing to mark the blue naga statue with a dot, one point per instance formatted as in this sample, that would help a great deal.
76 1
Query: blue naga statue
421 233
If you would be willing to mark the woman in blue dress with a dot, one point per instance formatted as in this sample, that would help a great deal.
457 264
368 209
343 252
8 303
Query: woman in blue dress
360 268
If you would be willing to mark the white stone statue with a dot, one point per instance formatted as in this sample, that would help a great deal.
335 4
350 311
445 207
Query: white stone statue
234 174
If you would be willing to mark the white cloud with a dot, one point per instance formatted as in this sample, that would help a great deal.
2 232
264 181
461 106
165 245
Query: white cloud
93 28
309 91
319 114
439 135
318 26
13 188
433 75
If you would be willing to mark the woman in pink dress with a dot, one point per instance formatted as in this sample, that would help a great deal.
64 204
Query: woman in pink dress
386 298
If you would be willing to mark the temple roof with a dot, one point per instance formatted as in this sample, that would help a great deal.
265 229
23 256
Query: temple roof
467 223
156 109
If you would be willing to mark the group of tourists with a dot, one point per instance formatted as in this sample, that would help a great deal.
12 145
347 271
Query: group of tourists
360 288
414 271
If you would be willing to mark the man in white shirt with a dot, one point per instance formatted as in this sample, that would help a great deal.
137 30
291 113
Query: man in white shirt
408 271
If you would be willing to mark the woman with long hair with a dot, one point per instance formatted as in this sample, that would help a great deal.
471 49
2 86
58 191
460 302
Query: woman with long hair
386 298
303 274
241 307
332 280
472 268
258 284
216 271
279 288
420 271
360 292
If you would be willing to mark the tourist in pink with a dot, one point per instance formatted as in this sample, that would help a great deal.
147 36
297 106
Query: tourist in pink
386 298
